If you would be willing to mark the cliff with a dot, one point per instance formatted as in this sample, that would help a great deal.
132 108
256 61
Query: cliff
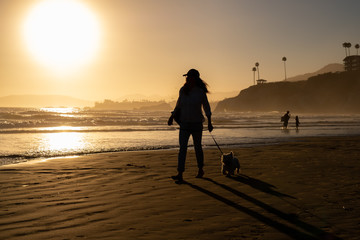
333 67
325 93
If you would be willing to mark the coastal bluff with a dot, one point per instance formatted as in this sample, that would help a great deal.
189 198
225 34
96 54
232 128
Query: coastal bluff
337 92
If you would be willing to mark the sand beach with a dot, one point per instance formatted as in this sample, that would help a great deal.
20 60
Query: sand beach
305 189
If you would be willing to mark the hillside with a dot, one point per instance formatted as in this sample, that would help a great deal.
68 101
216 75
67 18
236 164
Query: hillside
133 105
333 67
42 101
325 93
213 97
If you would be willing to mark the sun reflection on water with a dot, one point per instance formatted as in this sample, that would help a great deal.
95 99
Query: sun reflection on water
63 142
60 110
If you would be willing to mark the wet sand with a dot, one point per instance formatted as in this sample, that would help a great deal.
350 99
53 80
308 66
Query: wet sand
308 189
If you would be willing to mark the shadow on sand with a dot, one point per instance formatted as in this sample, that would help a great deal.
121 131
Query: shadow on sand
259 185
268 188
312 232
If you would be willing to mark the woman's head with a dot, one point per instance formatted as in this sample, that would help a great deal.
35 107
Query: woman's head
193 77
192 73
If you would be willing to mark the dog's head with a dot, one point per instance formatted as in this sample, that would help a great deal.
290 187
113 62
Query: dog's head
227 158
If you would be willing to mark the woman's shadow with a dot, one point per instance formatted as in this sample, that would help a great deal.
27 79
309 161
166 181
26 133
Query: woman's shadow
310 231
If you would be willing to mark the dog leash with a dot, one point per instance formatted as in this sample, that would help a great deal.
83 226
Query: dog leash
216 143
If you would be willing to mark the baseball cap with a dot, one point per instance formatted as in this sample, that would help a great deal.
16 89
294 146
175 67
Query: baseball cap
192 72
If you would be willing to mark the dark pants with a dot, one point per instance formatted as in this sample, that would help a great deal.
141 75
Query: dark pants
187 129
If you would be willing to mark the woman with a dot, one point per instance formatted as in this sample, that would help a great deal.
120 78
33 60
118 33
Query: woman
192 97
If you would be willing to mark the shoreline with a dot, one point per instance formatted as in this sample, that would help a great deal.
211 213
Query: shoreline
303 189
30 159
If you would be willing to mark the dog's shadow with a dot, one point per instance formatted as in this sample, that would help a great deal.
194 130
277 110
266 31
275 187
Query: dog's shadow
259 185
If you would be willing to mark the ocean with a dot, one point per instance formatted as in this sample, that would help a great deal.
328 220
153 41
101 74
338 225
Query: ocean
28 134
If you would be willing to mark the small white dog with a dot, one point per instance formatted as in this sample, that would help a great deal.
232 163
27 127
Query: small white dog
229 164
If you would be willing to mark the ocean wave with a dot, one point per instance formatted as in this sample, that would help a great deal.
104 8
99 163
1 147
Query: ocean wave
14 120
27 134
82 129
37 118
25 157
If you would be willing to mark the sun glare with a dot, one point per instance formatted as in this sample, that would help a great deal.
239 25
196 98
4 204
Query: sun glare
62 34
60 110
63 141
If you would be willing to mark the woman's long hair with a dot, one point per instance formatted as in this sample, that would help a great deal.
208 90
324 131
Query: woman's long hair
199 83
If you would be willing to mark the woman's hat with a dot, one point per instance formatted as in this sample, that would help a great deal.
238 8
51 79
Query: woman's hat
193 73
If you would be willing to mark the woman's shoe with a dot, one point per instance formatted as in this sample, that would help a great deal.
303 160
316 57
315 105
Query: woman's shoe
178 177
200 173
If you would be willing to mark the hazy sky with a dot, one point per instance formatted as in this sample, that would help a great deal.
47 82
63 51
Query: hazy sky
146 45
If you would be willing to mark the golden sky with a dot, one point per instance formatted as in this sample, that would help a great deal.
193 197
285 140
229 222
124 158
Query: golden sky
144 46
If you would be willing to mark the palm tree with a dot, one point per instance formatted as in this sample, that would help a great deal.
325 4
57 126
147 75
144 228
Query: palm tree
257 67
284 59
357 48
254 70
349 46
345 46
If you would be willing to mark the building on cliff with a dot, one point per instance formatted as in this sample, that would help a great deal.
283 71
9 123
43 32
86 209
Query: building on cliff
352 63
261 81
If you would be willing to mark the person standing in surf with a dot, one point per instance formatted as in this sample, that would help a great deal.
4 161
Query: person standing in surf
188 113
285 119
297 122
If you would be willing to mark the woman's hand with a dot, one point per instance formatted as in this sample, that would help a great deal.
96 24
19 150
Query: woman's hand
170 121
210 127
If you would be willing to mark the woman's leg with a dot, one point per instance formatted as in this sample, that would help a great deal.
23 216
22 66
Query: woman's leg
183 142
197 137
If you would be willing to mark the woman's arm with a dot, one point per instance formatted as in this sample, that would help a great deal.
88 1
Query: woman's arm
207 110
171 118
210 126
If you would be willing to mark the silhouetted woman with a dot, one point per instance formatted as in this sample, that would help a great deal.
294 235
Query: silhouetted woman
192 98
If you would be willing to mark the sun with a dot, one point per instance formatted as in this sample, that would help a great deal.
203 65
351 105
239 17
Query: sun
62 34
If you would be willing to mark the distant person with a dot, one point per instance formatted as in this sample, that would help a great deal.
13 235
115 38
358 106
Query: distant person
297 122
188 113
285 119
